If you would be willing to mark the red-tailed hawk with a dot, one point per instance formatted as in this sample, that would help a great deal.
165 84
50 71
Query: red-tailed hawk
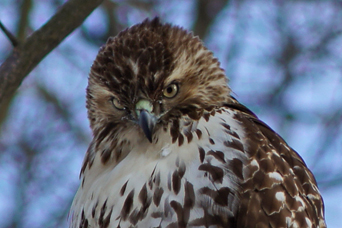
173 148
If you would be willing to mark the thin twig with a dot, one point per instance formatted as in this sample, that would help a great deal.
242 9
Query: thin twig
9 35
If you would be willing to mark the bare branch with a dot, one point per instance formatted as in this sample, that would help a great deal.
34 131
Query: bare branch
28 54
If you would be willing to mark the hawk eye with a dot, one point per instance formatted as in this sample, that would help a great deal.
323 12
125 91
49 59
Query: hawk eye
170 91
117 104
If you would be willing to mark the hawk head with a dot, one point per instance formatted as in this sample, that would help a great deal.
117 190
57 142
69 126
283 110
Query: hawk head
148 76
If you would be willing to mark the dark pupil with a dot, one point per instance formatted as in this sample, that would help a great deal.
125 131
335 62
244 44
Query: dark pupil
169 89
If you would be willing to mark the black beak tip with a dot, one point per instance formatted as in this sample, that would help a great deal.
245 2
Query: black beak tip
149 137
146 124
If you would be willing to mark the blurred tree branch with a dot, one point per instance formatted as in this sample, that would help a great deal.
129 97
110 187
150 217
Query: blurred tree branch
28 54
207 12
25 8
113 25
63 112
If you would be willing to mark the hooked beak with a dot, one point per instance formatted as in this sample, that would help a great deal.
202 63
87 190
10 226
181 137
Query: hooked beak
146 120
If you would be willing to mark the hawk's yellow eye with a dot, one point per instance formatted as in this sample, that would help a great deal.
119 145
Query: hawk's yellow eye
170 91
117 104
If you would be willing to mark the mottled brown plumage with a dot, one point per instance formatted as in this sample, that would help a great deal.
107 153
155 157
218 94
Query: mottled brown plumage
173 148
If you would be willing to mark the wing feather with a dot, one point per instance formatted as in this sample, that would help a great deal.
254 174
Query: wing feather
282 187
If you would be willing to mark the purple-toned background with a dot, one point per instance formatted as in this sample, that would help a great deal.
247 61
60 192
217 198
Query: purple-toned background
283 60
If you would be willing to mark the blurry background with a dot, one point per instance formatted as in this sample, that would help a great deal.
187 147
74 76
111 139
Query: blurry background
283 58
